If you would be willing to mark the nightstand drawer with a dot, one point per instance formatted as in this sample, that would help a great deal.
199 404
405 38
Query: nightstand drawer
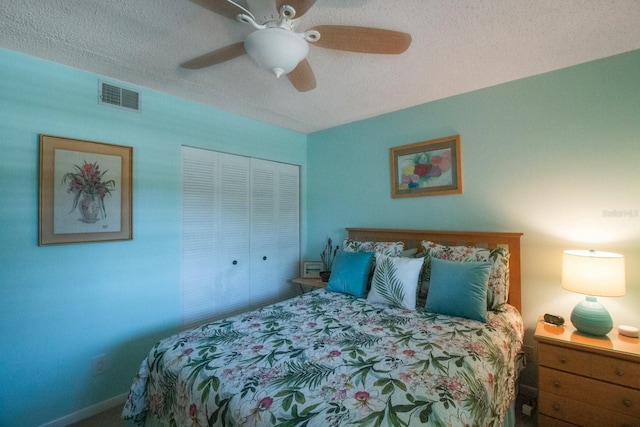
593 392
581 413
616 371
564 359
546 421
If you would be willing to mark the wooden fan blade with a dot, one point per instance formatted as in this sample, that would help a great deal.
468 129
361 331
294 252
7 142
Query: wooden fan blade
302 77
217 56
362 39
221 7
300 6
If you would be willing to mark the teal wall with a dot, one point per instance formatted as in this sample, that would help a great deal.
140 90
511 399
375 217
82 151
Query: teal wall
545 156
62 305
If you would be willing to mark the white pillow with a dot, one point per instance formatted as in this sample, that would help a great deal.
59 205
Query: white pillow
395 281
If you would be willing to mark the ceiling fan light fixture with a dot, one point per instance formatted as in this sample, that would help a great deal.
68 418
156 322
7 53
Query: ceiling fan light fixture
276 49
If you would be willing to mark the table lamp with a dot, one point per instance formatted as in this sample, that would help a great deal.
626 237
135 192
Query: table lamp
593 273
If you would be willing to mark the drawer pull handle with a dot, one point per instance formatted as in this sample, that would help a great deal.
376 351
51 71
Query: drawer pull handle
556 407
627 403
619 372
563 360
556 384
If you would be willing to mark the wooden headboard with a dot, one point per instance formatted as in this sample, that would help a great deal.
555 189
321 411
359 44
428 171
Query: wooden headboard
413 238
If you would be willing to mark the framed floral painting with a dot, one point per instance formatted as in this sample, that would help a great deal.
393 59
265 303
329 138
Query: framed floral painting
85 191
427 168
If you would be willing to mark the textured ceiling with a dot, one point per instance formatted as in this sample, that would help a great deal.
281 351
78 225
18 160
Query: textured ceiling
458 46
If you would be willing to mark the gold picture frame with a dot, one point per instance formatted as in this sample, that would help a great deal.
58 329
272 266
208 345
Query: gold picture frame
427 168
85 191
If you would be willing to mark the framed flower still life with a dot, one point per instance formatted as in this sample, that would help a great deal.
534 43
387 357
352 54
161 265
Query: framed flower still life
85 191
427 168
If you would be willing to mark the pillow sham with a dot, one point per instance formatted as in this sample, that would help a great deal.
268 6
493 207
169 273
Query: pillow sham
459 289
350 273
387 248
498 286
395 281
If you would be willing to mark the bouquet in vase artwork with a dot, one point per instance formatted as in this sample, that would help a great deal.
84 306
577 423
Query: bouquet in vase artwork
87 182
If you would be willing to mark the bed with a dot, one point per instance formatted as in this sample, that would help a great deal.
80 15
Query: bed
333 358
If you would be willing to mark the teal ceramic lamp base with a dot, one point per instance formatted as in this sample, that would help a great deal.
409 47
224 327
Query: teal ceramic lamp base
591 318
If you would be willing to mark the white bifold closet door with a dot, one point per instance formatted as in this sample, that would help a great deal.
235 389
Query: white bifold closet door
240 233
275 229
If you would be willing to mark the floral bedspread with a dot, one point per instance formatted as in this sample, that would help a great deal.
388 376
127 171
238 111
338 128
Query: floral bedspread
332 359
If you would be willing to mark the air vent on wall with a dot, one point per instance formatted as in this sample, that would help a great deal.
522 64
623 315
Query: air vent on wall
118 96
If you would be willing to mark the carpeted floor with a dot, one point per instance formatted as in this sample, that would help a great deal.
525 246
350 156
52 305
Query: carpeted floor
108 418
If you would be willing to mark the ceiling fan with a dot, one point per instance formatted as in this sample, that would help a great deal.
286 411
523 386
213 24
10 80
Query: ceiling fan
277 47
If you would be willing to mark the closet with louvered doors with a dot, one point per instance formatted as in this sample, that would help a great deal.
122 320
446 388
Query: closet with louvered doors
240 233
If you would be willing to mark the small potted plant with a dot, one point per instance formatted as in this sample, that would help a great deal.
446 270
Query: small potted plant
328 255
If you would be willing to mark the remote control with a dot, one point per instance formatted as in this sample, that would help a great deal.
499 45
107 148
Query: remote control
554 319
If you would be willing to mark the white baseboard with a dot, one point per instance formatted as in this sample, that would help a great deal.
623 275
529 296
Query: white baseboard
87 412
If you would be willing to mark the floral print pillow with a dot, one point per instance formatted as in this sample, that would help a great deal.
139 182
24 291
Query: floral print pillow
498 288
385 248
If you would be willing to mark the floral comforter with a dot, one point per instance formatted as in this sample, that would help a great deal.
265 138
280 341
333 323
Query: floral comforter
332 359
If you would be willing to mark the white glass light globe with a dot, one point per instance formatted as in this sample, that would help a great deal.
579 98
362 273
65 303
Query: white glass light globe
276 49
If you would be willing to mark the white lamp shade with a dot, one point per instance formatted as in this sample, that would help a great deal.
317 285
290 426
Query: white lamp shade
276 49
593 273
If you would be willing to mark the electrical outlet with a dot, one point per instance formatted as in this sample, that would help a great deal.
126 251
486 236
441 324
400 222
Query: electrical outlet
99 365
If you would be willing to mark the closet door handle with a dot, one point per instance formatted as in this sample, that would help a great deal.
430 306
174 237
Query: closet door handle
264 258
235 262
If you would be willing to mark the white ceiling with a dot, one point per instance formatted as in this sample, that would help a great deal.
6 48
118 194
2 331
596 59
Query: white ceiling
458 46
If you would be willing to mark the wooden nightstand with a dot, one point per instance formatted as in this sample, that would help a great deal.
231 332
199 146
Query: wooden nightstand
587 381
309 282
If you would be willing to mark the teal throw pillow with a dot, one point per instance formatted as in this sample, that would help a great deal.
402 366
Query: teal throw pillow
459 289
350 273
